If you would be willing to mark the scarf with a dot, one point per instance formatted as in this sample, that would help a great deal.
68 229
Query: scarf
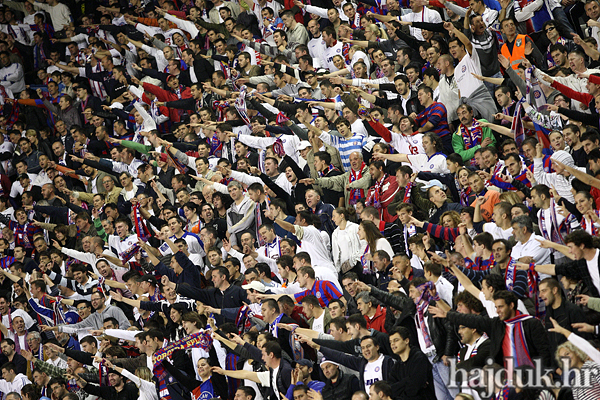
558 231
533 282
281 119
327 171
473 352
510 274
366 264
407 192
278 145
517 127
422 303
471 137
175 161
593 229
259 221
374 198
464 196
273 328
514 344
356 194
243 319
201 340
140 225
240 106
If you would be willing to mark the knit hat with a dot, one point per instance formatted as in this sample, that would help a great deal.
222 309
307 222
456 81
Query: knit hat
563 157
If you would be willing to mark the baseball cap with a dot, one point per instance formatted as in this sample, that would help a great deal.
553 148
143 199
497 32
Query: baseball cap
163 157
303 145
431 183
256 285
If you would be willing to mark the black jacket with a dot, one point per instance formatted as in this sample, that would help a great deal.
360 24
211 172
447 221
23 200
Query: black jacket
476 360
234 296
566 315
343 389
536 336
412 105
357 363
353 346
413 379
442 333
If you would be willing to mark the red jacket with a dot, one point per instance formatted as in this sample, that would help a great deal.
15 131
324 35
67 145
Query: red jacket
378 320
388 191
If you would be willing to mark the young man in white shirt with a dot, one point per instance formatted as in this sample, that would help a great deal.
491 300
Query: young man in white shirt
469 65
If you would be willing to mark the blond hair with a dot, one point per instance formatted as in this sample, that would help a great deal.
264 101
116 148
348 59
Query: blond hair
573 349
144 373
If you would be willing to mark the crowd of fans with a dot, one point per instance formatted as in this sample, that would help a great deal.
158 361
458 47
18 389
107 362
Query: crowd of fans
288 200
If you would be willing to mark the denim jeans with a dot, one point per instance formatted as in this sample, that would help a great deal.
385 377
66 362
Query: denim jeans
492 87
441 379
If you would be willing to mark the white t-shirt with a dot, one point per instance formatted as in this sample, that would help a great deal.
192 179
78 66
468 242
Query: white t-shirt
423 163
496 231
593 269
318 324
373 372
312 243
466 82
408 144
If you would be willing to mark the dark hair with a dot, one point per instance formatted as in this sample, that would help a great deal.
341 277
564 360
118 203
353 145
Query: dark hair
470 301
581 237
508 297
248 390
402 331
272 347
485 239
357 319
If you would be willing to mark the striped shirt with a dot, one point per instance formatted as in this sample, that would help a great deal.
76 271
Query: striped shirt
325 291
346 146
437 115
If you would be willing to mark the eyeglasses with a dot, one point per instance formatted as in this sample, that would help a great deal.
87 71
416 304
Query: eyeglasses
550 29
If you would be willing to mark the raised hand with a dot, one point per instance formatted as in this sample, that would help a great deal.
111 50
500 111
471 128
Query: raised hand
437 312
116 296
27 354
583 327
503 61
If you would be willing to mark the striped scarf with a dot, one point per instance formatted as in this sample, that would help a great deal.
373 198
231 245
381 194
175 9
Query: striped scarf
200 339
558 231
327 171
356 194
374 198
407 192
243 319
471 137
514 343
593 230
422 303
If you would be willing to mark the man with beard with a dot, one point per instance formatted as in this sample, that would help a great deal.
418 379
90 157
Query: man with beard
10 355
